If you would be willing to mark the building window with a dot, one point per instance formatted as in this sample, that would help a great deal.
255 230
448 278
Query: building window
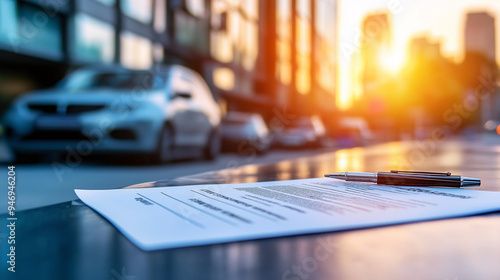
37 31
136 51
160 20
158 53
325 25
140 10
251 9
8 22
303 8
303 46
223 78
196 7
249 44
235 33
191 32
283 41
94 39
221 47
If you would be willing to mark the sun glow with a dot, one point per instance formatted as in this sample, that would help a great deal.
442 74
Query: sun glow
391 62
407 23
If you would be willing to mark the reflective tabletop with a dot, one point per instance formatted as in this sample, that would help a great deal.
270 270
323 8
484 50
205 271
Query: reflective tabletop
71 241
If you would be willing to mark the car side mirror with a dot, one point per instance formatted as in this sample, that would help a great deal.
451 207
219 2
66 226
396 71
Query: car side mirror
182 94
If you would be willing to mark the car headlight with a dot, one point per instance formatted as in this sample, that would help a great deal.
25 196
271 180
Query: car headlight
14 110
17 107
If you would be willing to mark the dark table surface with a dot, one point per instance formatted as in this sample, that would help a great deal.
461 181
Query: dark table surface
71 241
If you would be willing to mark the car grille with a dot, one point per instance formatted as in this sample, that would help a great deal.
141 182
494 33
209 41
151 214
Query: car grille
44 108
69 109
59 135
123 134
77 109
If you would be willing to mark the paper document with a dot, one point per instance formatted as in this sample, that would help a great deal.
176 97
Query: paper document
167 217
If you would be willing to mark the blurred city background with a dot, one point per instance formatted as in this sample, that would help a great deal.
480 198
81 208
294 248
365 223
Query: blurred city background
316 74
403 66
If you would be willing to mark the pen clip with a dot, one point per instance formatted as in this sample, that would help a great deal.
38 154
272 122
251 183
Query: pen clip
422 172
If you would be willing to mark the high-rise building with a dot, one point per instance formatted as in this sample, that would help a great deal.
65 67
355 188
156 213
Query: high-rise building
480 34
424 47
480 38
376 40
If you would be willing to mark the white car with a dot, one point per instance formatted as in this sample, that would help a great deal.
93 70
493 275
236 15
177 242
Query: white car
354 131
302 132
245 133
165 113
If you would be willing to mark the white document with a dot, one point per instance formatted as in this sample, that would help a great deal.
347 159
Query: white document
167 217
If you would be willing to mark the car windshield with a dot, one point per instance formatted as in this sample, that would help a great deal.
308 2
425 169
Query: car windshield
234 121
119 80
300 123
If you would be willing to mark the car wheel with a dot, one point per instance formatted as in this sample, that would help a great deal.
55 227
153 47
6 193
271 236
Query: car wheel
213 146
164 151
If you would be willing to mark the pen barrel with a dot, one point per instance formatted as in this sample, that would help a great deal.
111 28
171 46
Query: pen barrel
413 180
361 177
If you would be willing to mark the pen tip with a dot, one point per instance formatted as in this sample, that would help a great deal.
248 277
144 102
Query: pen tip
470 182
340 175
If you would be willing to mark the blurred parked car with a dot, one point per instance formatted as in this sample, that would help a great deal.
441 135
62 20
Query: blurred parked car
164 113
492 126
241 131
353 131
302 132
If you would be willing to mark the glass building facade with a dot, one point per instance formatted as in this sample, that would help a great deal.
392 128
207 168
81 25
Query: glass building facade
306 39
255 54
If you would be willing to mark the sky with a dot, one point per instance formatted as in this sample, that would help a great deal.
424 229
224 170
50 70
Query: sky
441 20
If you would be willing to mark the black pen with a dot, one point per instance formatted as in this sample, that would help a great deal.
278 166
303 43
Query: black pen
409 178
